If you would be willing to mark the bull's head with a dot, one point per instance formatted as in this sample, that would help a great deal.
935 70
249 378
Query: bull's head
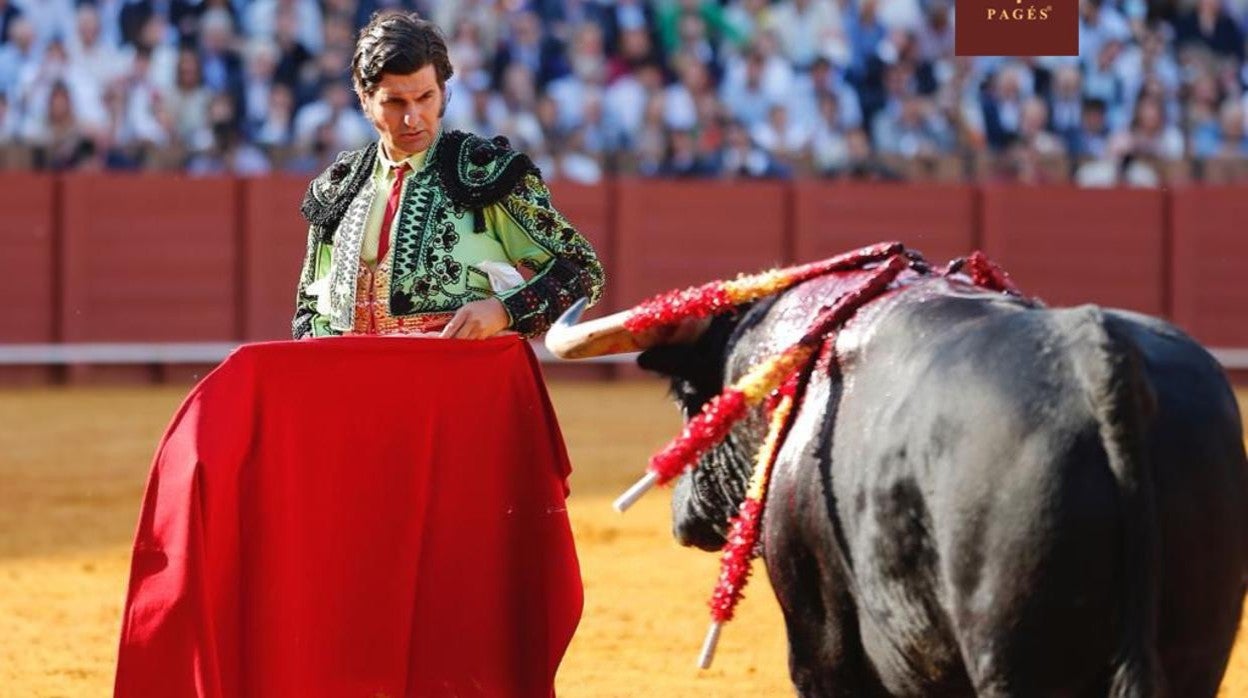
693 355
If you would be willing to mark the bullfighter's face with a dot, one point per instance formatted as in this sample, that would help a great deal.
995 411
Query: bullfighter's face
406 110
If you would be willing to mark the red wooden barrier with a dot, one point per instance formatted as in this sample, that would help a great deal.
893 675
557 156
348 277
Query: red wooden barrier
1210 247
674 234
168 259
588 209
274 242
28 284
149 259
1070 246
28 248
829 219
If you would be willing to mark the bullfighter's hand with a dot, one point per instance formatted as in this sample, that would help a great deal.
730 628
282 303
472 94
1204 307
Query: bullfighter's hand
477 320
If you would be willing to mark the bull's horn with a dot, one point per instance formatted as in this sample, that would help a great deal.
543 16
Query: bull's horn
607 335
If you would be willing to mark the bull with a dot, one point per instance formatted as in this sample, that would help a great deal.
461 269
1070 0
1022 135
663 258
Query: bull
979 495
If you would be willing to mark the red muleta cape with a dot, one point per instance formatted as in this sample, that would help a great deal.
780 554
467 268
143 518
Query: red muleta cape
356 516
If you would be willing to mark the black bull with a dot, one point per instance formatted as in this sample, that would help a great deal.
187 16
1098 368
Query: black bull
987 497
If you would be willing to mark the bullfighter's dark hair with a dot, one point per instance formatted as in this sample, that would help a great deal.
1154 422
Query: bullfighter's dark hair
398 43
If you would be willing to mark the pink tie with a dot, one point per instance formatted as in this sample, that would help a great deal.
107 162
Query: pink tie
392 207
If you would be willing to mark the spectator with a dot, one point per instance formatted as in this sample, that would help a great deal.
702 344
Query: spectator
1034 133
519 103
1066 105
742 158
1149 136
1099 23
809 89
467 50
229 152
1092 141
9 12
336 106
650 145
747 18
187 102
90 55
809 29
912 129
1103 82
275 131
17 56
172 16
528 45
784 139
682 158
935 36
680 111
575 162
1226 138
862 163
1003 107
293 60
585 81
710 17
262 19
1209 24
625 104
220 60
746 96
258 83
60 141
830 142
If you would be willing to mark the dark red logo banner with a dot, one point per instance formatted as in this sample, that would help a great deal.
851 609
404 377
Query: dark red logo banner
1017 28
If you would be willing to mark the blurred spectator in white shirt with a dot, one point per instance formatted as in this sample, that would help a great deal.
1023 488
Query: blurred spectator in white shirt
336 106
90 53
261 17
808 29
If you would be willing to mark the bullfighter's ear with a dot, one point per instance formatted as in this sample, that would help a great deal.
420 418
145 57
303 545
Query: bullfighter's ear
669 359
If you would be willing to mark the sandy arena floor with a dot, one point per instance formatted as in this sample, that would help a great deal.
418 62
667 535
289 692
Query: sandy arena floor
72 468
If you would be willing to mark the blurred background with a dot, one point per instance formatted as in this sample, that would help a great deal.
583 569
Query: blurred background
856 89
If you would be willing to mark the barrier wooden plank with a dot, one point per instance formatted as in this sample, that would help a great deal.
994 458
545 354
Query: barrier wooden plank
588 209
274 242
1071 246
28 249
674 234
1209 250
938 221
149 258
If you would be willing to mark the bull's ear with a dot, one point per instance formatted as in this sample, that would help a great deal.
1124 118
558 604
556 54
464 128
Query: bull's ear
677 360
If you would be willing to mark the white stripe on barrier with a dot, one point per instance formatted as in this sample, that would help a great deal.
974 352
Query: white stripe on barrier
174 353
1231 357
213 352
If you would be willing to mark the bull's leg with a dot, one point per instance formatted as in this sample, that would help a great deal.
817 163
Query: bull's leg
1038 588
825 651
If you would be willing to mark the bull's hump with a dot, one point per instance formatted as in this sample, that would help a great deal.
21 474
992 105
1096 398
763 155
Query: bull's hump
794 312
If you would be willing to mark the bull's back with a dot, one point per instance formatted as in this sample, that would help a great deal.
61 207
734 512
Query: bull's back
977 498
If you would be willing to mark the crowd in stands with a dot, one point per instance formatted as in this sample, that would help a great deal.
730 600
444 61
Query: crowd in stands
862 89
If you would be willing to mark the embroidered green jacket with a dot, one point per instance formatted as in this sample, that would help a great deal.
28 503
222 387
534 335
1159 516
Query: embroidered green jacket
474 201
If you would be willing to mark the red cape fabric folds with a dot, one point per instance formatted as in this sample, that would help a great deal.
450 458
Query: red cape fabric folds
359 516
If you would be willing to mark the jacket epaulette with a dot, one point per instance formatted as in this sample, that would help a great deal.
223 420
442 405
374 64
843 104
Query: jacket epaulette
331 192
476 171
